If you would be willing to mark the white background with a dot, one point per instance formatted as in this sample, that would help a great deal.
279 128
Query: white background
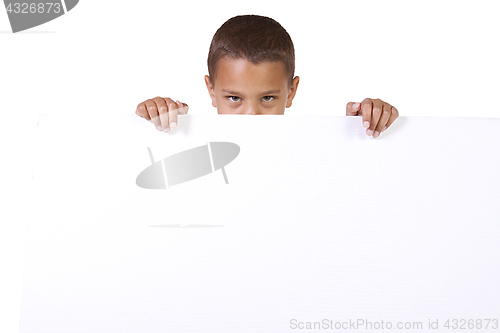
427 58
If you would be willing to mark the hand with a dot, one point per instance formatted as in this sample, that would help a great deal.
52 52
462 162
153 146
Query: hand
162 112
377 114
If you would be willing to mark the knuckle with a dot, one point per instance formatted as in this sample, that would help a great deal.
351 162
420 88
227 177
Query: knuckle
387 111
171 104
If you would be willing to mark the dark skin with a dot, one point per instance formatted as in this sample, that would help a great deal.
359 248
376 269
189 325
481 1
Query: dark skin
241 87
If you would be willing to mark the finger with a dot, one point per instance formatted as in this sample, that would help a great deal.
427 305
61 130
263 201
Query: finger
394 116
352 109
184 108
153 113
366 109
386 114
142 112
172 113
162 109
376 113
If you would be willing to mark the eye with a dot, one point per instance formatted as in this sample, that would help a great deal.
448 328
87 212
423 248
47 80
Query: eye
267 98
234 99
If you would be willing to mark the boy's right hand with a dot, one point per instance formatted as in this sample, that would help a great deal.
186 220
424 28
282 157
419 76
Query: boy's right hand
162 112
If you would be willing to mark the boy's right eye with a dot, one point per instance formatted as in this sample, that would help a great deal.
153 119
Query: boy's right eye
234 99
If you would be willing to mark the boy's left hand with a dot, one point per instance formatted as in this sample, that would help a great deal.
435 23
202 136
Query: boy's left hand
377 114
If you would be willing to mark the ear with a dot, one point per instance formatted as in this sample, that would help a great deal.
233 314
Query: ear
292 91
210 89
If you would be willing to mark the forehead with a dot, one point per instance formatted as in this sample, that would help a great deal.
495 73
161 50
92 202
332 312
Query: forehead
243 75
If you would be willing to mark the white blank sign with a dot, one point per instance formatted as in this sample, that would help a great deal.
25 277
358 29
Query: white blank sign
318 225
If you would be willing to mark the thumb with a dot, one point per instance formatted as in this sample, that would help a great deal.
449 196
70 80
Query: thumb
352 108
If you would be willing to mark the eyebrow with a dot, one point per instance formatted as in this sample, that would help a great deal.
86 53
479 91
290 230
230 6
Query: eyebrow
270 92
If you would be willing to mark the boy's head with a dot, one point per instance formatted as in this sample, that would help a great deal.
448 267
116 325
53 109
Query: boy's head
251 64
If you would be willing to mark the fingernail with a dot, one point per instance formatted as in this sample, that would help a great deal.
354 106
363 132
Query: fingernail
369 132
166 130
376 134
158 127
385 127
366 124
172 125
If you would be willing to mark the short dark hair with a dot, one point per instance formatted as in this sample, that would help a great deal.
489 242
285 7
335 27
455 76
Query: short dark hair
256 38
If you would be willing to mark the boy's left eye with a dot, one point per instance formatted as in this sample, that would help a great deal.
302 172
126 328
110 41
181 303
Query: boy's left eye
267 98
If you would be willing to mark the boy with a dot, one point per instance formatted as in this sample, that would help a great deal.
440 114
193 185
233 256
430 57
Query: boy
251 64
